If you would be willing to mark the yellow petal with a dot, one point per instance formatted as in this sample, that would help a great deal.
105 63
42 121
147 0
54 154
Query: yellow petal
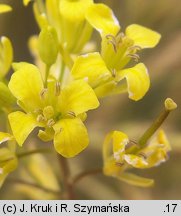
33 47
120 140
74 10
107 147
26 85
163 140
135 180
114 144
8 161
5 8
26 2
6 51
2 179
110 88
76 30
138 81
142 36
110 168
157 150
90 66
157 157
40 17
71 137
7 100
78 97
102 19
46 135
21 124
135 161
5 137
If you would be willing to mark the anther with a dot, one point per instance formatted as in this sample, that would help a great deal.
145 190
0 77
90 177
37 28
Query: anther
114 45
37 111
134 48
112 40
134 56
71 114
40 118
113 72
143 155
119 163
50 122
110 37
42 93
57 88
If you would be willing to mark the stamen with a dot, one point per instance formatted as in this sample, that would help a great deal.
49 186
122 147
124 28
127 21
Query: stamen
134 56
110 37
114 45
40 118
71 114
50 122
134 48
113 72
112 40
133 142
119 163
42 93
57 88
143 155
120 37
37 111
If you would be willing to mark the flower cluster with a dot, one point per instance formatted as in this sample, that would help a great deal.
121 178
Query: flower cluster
124 157
68 79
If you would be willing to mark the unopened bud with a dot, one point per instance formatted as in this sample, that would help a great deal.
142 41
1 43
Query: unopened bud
48 45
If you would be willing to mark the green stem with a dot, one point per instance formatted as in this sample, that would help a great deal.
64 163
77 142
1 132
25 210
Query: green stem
169 106
153 128
31 152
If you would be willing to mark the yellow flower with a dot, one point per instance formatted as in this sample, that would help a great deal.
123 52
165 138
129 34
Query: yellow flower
105 72
26 2
118 157
8 160
57 109
5 8
72 21
6 53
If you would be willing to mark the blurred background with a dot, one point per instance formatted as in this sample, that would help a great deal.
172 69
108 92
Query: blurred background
118 112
